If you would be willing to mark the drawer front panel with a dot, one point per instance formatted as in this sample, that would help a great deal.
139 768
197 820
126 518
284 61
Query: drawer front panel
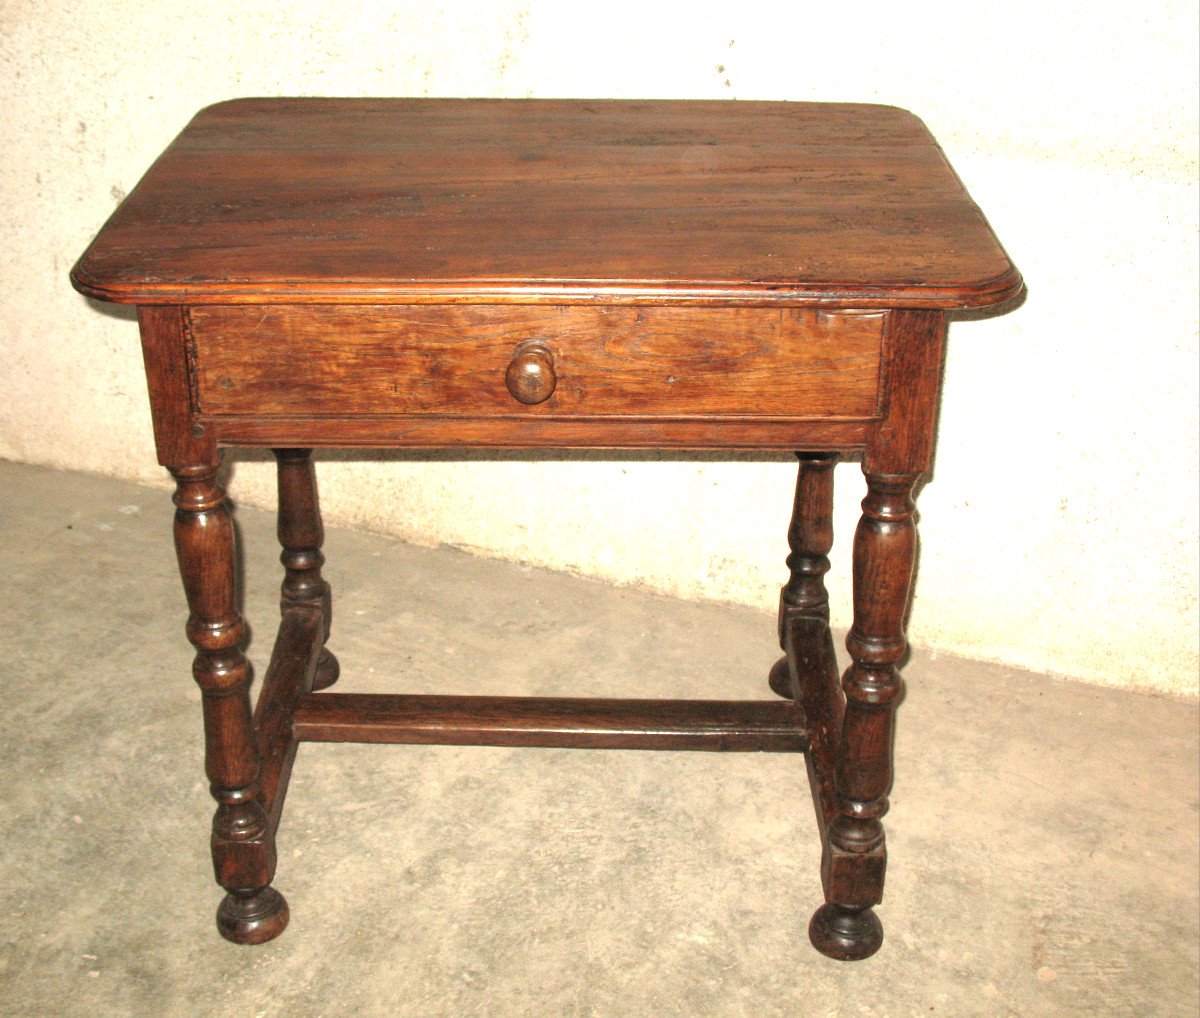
320 360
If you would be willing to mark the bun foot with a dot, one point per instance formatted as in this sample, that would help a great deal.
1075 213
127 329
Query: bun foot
779 680
845 934
328 671
252 919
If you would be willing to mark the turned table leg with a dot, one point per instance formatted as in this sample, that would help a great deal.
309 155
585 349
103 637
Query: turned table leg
243 844
855 857
810 538
301 534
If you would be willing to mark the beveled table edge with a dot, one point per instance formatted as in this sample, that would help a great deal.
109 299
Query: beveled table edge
752 294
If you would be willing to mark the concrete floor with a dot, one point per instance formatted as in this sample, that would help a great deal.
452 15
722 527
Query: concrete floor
1043 833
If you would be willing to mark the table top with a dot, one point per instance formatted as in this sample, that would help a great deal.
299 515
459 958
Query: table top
550 201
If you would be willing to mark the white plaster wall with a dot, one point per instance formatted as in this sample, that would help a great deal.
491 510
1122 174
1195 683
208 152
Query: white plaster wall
1060 528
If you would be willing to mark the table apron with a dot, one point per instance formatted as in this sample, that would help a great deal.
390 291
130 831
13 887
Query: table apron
651 378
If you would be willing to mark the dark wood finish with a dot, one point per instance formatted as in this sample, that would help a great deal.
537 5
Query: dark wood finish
557 275
903 440
604 361
171 378
291 672
400 201
531 377
439 432
852 866
243 843
810 539
301 535
844 932
721 725
813 671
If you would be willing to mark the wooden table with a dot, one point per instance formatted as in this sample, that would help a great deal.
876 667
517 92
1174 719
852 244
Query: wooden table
552 274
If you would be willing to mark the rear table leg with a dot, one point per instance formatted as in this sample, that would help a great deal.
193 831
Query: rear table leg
810 537
301 535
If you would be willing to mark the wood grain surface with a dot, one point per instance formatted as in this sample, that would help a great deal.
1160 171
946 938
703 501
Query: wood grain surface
678 362
405 200
565 722
550 274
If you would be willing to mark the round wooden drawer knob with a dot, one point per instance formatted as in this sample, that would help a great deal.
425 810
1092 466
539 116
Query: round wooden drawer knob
530 376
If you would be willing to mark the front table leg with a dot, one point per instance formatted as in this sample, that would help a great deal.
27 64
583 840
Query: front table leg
854 858
243 844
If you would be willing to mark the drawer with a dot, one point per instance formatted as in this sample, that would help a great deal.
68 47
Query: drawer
571 362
